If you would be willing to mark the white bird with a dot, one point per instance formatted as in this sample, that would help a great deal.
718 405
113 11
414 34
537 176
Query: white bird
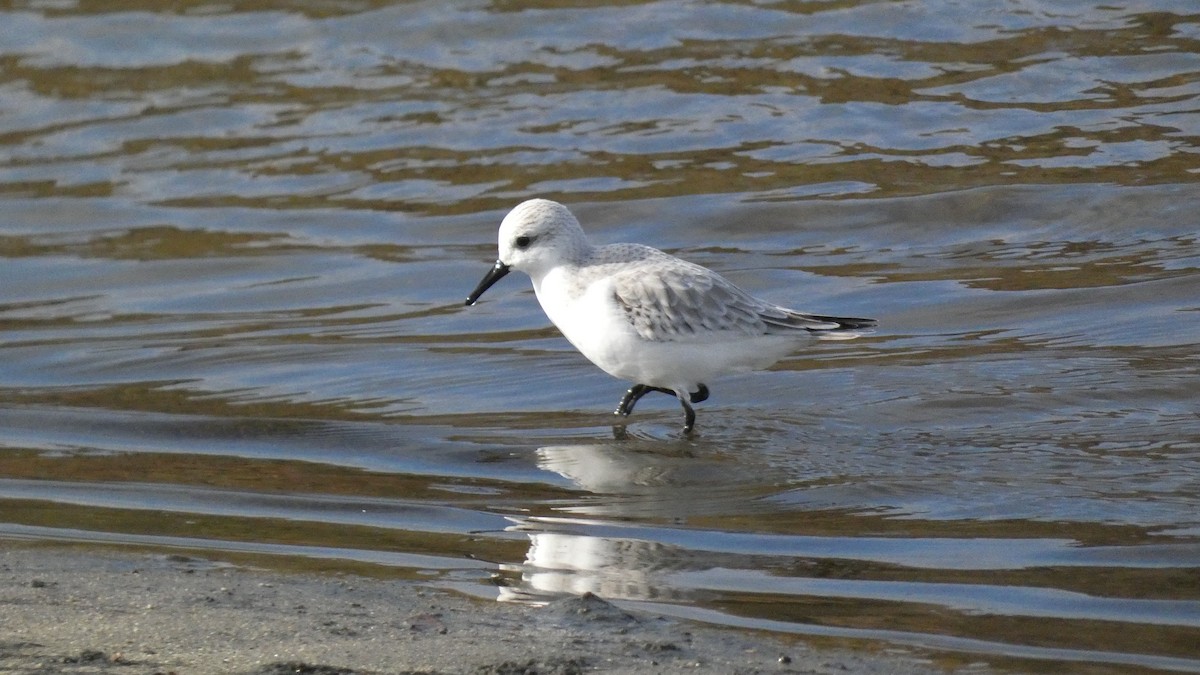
642 315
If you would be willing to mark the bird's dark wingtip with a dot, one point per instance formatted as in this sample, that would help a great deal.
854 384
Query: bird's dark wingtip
853 323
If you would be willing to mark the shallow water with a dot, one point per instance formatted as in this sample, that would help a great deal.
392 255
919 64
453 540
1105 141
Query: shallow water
236 239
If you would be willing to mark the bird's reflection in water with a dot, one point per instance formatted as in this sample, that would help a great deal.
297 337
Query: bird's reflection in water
606 543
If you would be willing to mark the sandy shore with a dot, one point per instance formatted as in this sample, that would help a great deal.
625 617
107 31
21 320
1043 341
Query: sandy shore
65 610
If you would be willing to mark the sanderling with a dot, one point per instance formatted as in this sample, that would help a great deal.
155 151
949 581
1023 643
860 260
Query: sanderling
645 316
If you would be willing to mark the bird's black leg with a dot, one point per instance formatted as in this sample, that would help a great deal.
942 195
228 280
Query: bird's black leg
689 415
630 399
637 391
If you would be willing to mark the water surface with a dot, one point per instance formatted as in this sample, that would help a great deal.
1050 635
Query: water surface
236 238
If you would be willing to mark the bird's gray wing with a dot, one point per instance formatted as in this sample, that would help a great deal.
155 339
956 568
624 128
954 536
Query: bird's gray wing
674 301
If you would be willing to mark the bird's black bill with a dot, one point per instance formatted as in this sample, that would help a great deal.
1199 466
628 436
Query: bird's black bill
495 274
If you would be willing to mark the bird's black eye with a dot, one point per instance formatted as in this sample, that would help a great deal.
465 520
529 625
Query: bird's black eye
523 242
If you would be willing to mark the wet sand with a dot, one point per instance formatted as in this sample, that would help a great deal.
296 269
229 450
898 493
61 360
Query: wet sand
66 610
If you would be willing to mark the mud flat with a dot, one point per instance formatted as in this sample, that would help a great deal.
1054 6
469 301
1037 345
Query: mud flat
67 610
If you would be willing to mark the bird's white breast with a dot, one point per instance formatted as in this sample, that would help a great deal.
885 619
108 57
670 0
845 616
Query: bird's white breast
589 317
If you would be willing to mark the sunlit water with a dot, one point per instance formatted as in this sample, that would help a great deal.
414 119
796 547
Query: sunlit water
236 238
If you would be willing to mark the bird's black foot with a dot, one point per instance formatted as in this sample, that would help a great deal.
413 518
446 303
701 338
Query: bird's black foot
699 395
619 432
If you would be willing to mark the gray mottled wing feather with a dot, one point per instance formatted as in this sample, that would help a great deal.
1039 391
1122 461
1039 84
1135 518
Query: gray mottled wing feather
674 300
